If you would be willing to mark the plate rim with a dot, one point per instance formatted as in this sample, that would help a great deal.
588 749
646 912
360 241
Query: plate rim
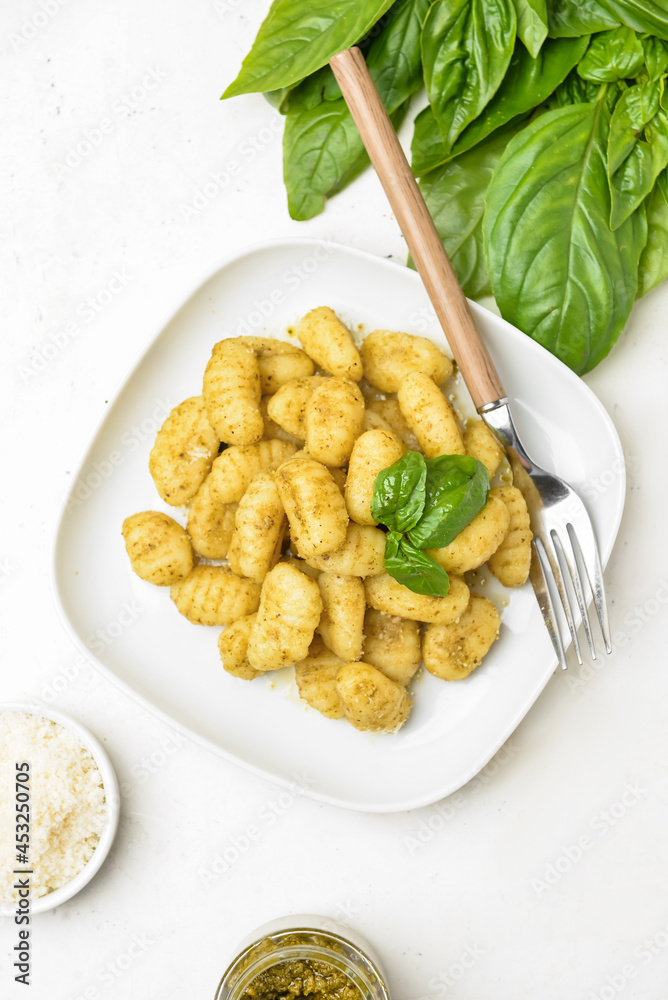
393 806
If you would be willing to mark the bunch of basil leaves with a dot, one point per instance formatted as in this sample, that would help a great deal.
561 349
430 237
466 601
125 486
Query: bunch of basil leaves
425 503
542 154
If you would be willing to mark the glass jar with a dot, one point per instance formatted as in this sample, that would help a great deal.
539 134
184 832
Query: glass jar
310 938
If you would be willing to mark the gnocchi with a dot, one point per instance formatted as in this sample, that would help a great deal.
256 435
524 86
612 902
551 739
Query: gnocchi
316 680
159 549
284 511
183 452
210 523
214 595
453 651
373 451
314 506
478 541
481 443
361 553
389 357
430 416
511 562
290 609
233 647
325 339
277 362
287 407
259 526
231 392
384 593
371 701
334 419
342 621
389 411
392 645
233 470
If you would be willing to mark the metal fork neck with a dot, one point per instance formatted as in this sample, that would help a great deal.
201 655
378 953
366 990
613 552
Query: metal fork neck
497 416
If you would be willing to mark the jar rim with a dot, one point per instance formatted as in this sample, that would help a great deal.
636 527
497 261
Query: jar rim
347 957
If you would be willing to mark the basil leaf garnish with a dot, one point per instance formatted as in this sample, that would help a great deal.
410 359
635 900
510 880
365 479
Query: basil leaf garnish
399 492
413 568
457 487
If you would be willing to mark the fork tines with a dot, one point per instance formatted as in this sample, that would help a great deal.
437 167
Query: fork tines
566 569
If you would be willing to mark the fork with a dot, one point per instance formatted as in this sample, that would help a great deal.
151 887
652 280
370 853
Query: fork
564 549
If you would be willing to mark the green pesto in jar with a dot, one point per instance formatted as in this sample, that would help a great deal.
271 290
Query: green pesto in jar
301 978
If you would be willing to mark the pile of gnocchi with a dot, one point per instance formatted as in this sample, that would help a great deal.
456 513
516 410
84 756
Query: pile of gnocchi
280 546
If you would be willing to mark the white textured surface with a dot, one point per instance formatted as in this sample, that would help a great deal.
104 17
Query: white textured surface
149 926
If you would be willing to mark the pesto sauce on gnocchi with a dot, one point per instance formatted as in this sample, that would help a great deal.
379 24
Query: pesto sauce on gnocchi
293 461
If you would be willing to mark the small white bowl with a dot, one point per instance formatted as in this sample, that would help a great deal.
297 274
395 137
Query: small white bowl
112 806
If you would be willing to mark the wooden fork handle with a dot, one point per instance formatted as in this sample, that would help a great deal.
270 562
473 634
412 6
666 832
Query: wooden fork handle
416 224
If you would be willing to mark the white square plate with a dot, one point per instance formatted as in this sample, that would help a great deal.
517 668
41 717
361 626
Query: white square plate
172 667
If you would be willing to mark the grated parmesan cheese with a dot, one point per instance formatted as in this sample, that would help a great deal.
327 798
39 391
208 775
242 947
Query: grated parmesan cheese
67 802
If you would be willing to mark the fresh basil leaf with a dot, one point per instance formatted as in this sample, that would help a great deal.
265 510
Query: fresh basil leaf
279 99
322 149
569 19
296 39
413 568
653 268
557 270
528 83
531 23
574 90
457 488
634 109
399 492
455 197
395 57
428 149
612 55
643 15
322 154
656 57
466 48
633 180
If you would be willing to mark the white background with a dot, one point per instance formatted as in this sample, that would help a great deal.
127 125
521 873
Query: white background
425 886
